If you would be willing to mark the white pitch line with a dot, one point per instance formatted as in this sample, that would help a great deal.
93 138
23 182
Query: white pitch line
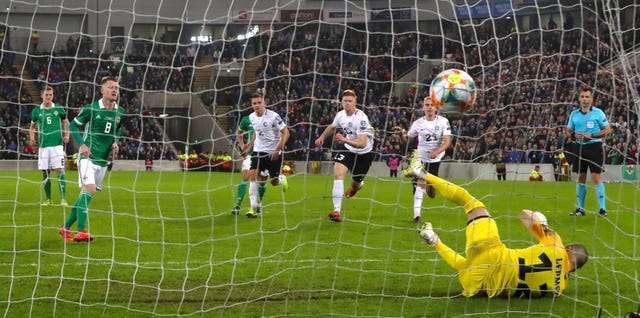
229 262
199 263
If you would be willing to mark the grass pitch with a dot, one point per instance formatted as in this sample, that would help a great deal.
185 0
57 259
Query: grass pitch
166 244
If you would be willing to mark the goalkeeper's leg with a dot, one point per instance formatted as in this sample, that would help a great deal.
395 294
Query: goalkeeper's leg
452 192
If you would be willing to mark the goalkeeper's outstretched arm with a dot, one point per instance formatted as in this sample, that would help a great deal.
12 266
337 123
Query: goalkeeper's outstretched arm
536 223
528 217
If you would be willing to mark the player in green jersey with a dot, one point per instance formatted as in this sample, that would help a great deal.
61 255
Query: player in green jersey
245 129
100 123
50 120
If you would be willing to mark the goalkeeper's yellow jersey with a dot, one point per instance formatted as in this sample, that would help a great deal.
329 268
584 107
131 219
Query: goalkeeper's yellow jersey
535 271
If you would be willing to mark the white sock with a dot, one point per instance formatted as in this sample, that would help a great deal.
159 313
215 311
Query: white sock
417 201
280 179
338 192
420 175
253 194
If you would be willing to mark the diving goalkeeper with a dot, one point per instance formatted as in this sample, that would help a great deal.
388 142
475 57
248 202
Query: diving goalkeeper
489 267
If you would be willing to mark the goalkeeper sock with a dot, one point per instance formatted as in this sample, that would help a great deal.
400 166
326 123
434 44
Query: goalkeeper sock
454 193
82 209
601 195
262 188
242 191
417 201
62 182
581 193
338 192
46 182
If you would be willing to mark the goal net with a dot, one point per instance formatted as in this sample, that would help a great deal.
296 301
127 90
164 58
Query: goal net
166 242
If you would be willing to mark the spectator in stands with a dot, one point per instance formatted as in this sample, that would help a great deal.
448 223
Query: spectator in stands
632 155
393 162
71 46
501 165
35 40
540 99
12 150
615 155
534 155
148 163
559 163
2 36
184 159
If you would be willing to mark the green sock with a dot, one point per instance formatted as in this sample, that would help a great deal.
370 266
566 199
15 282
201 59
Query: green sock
62 182
262 188
82 209
73 216
242 191
47 184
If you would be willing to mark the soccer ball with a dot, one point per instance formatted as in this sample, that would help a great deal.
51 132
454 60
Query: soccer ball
453 91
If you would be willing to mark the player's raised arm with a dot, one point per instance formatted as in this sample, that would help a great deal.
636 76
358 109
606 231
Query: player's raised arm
529 218
537 224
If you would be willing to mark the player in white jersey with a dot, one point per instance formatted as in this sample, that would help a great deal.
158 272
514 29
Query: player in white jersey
269 137
357 136
434 137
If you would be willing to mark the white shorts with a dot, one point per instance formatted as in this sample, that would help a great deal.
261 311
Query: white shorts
90 173
246 163
51 158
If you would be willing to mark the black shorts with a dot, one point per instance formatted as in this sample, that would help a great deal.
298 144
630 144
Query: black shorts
589 156
432 167
260 161
358 164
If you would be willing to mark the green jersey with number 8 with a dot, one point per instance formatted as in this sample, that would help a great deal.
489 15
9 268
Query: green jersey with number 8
101 130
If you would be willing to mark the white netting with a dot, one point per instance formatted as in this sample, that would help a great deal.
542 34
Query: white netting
166 243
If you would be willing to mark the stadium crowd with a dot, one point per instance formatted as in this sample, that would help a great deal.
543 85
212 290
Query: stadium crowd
520 114
528 83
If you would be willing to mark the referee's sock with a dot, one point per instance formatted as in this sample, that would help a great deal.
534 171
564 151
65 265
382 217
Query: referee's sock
601 195
581 194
